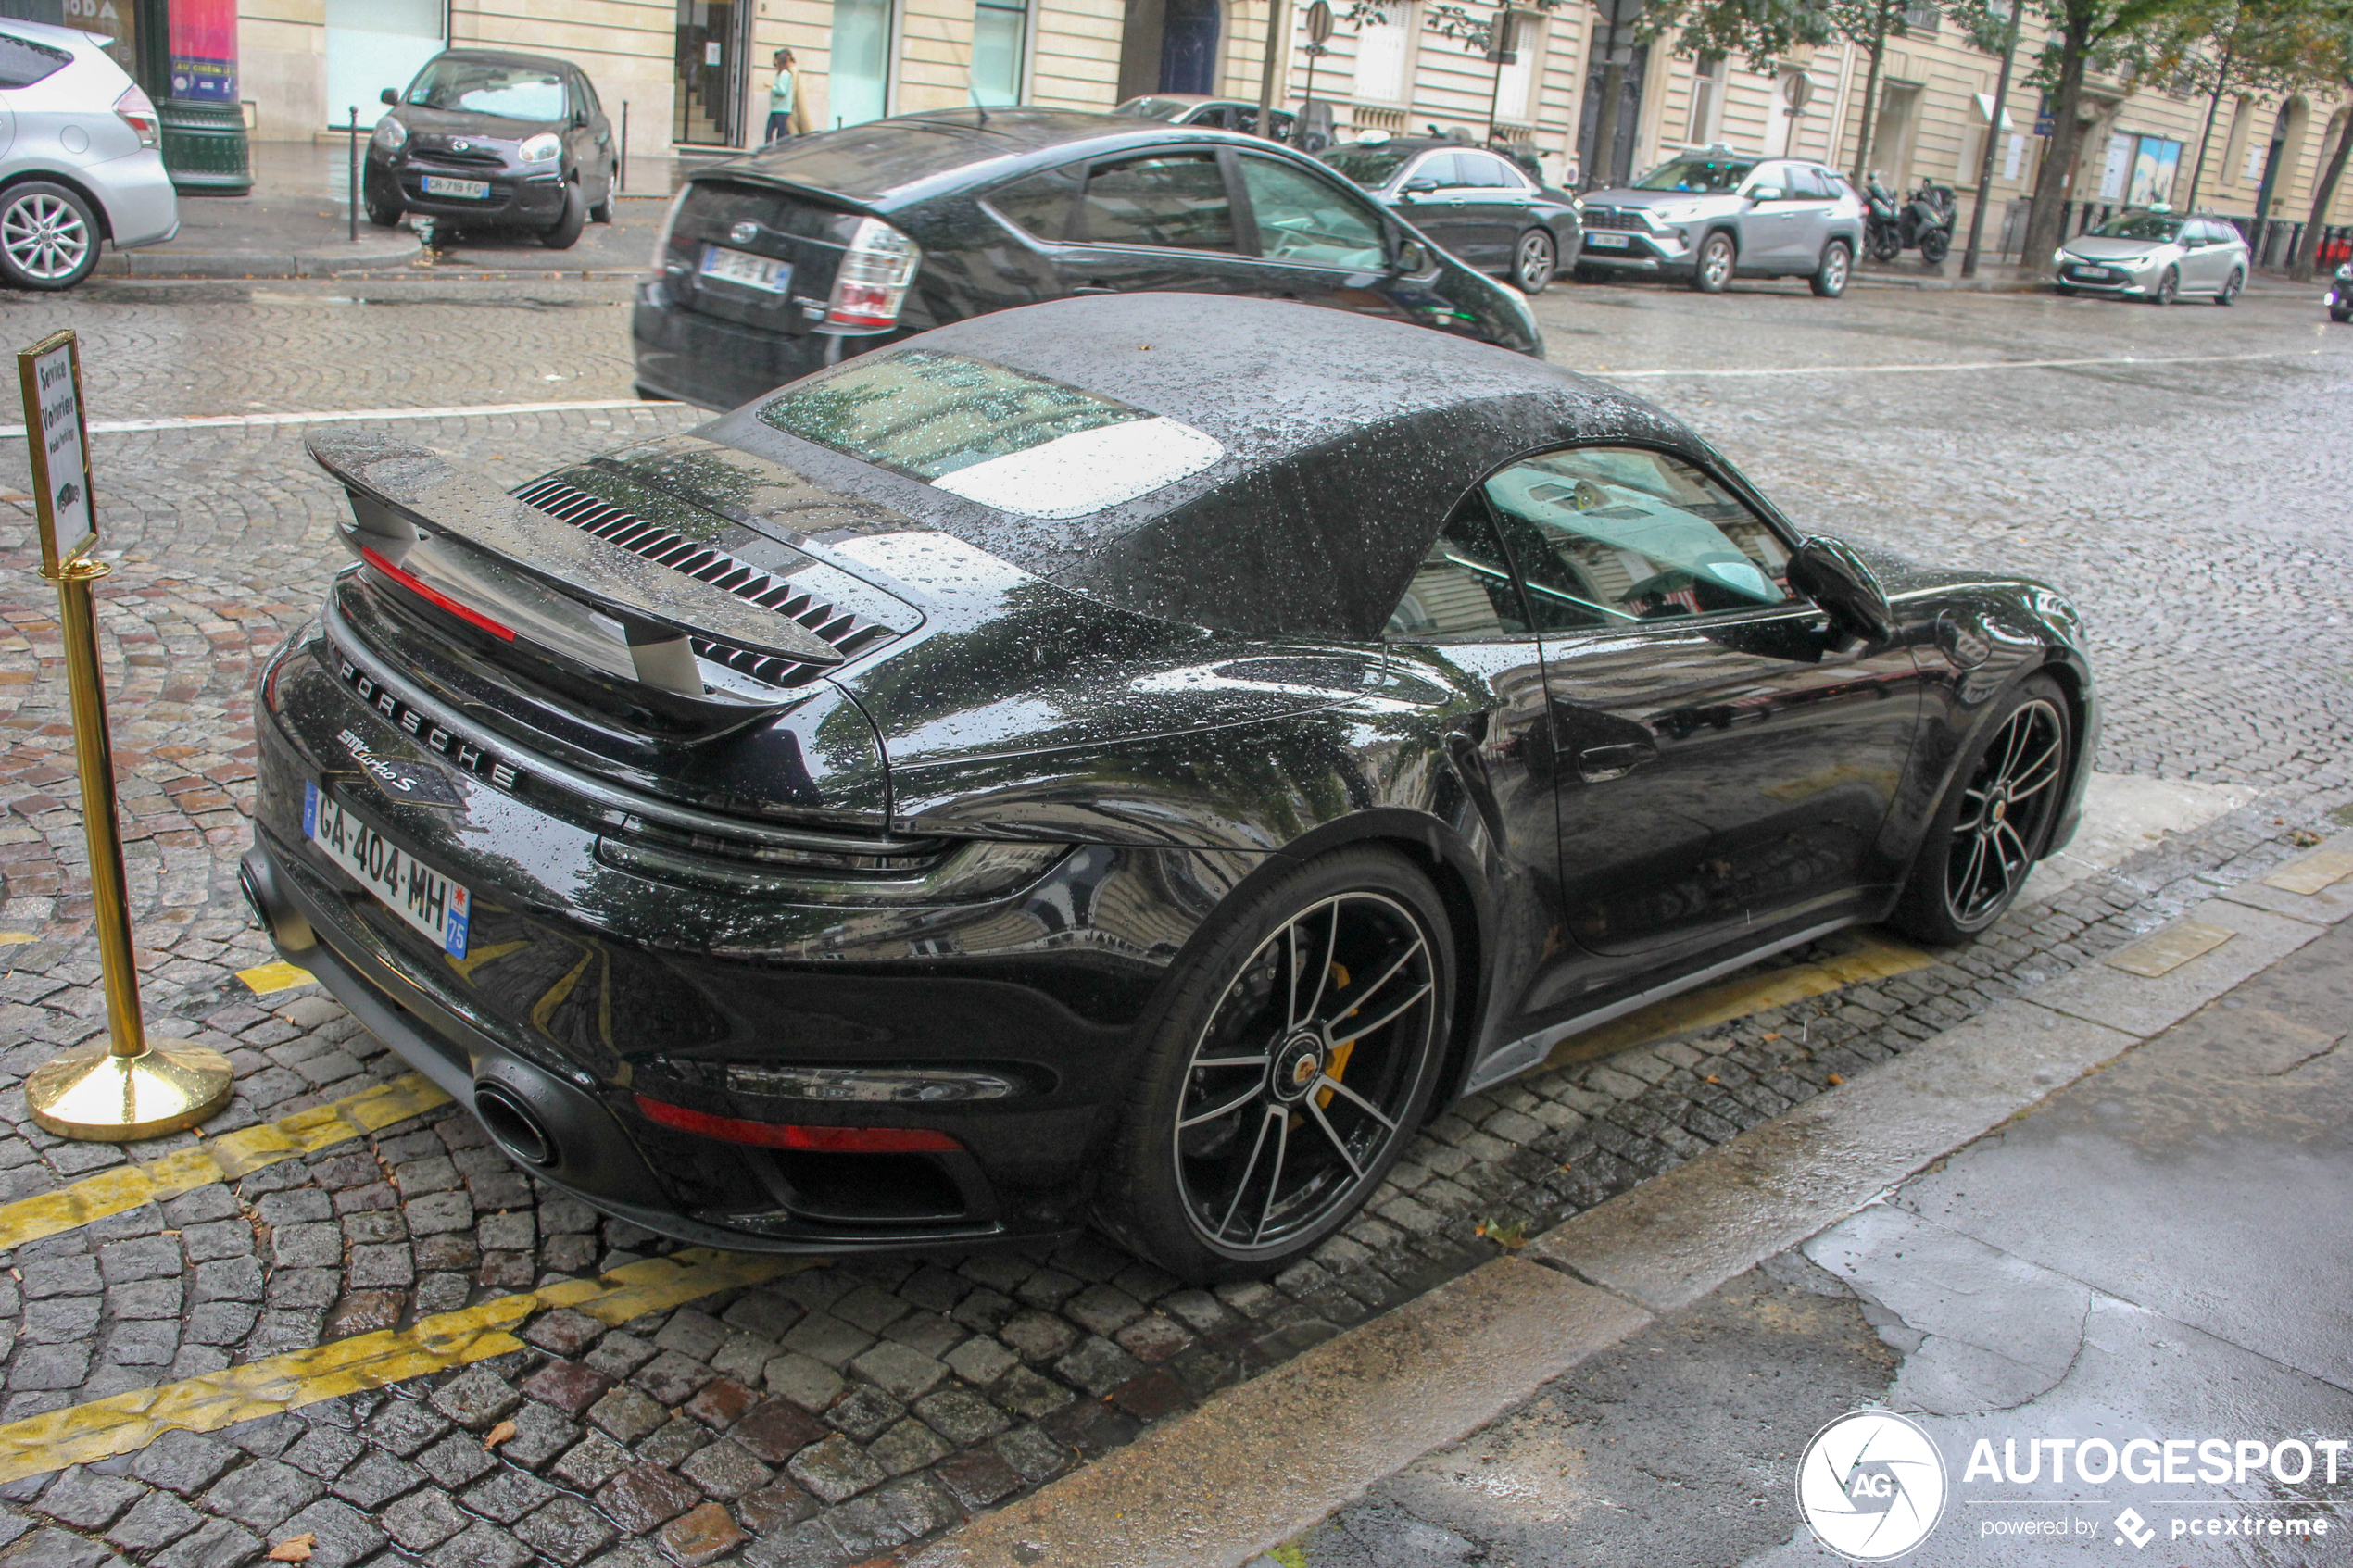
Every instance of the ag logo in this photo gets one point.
(1871, 1485)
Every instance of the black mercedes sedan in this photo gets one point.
(1127, 761)
(778, 264)
(1480, 205)
(495, 140)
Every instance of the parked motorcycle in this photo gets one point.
(1924, 221)
(2341, 296)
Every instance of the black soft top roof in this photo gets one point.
(1348, 439)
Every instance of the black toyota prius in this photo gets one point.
(1127, 761)
(824, 246)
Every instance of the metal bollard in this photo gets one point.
(352, 162)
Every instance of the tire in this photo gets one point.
(602, 211)
(2341, 317)
(566, 232)
(2168, 287)
(1712, 267)
(1534, 261)
(1837, 266)
(1199, 1148)
(48, 236)
(1886, 249)
(381, 206)
(1975, 856)
(1935, 246)
(2231, 286)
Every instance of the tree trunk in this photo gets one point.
(2066, 143)
(2308, 256)
(2213, 107)
(1871, 96)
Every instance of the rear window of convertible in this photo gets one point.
(1001, 437)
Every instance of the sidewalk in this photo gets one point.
(296, 223)
(2146, 1245)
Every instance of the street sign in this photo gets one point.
(58, 442)
(2044, 124)
(1319, 22)
(1620, 14)
(1799, 91)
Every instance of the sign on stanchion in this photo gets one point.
(131, 1087)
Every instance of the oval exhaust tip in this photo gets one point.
(515, 1126)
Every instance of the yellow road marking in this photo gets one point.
(216, 1160)
(127, 1422)
(2167, 950)
(262, 979)
(1872, 957)
(2314, 873)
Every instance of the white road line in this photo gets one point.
(1932, 365)
(330, 416)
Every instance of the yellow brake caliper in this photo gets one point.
(1336, 1066)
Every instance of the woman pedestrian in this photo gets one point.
(787, 114)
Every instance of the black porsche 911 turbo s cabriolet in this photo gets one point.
(1127, 760)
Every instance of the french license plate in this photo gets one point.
(1607, 242)
(2094, 273)
(414, 891)
(442, 185)
(742, 267)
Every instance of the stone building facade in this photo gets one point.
(695, 73)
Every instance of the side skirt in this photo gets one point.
(1509, 1062)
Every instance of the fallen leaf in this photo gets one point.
(1837, 1078)
(499, 1434)
(1713, 1079)
(294, 1548)
(1773, 1036)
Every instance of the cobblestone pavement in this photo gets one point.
(825, 1416)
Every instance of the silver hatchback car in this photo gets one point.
(2155, 255)
(1713, 215)
(80, 165)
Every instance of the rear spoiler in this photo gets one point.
(403, 495)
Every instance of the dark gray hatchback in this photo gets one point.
(772, 266)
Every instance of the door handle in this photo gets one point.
(1599, 764)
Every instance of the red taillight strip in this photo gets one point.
(786, 1135)
(433, 595)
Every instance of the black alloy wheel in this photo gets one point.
(1535, 261)
(1887, 247)
(1296, 1057)
(1935, 246)
(1712, 270)
(1831, 277)
(2167, 287)
(566, 232)
(2231, 286)
(1994, 822)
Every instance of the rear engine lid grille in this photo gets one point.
(851, 632)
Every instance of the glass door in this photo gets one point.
(858, 81)
(714, 37)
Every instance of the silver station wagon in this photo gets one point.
(2156, 256)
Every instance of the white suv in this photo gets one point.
(80, 165)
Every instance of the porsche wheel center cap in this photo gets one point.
(1297, 1065)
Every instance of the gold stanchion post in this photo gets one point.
(131, 1086)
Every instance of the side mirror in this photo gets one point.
(1418, 187)
(1768, 193)
(1834, 576)
(1412, 256)
(390, 95)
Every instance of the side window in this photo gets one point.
(1175, 202)
(1440, 168)
(1487, 173)
(1770, 182)
(23, 62)
(1041, 203)
(587, 92)
(1303, 219)
(1605, 536)
(1808, 182)
(1463, 590)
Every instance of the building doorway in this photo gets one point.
(1169, 46)
(372, 45)
(2287, 131)
(1616, 167)
(1899, 106)
(707, 102)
